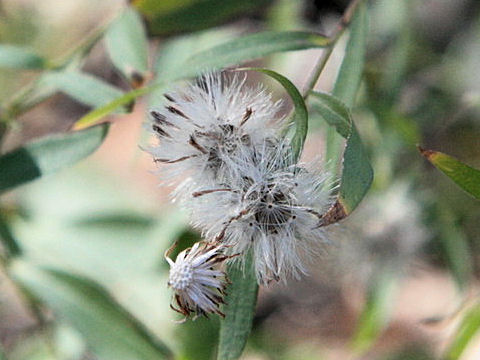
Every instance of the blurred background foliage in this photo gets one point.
(83, 275)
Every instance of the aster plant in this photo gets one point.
(235, 165)
(234, 160)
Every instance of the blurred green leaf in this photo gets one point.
(108, 330)
(85, 88)
(350, 74)
(454, 244)
(168, 16)
(351, 70)
(398, 57)
(18, 57)
(236, 51)
(375, 312)
(194, 346)
(7, 239)
(357, 174)
(469, 328)
(300, 118)
(240, 309)
(127, 45)
(253, 46)
(95, 115)
(48, 155)
(463, 175)
(173, 54)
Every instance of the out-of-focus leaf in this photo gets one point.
(193, 346)
(108, 330)
(18, 57)
(236, 51)
(172, 55)
(251, 47)
(127, 45)
(463, 175)
(469, 328)
(375, 313)
(357, 174)
(82, 87)
(168, 16)
(239, 311)
(454, 246)
(48, 155)
(7, 239)
(95, 115)
(300, 118)
(350, 74)
(399, 53)
(351, 70)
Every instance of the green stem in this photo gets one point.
(338, 32)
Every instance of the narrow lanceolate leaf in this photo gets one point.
(48, 155)
(300, 118)
(469, 329)
(230, 53)
(108, 330)
(84, 88)
(239, 311)
(18, 57)
(127, 46)
(251, 47)
(95, 115)
(191, 15)
(463, 175)
(351, 70)
(349, 76)
(357, 173)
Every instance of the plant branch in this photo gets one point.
(338, 32)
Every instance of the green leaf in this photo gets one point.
(175, 53)
(376, 311)
(12, 248)
(108, 330)
(82, 87)
(357, 174)
(454, 244)
(18, 57)
(48, 155)
(127, 45)
(300, 118)
(236, 51)
(172, 56)
(251, 47)
(463, 175)
(240, 309)
(351, 70)
(350, 75)
(95, 115)
(168, 16)
(469, 328)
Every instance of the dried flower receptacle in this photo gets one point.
(197, 279)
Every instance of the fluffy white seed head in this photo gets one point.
(274, 207)
(204, 127)
(197, 279)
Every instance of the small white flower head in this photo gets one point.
(197, 279)
(275, 207)
(203, 128)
